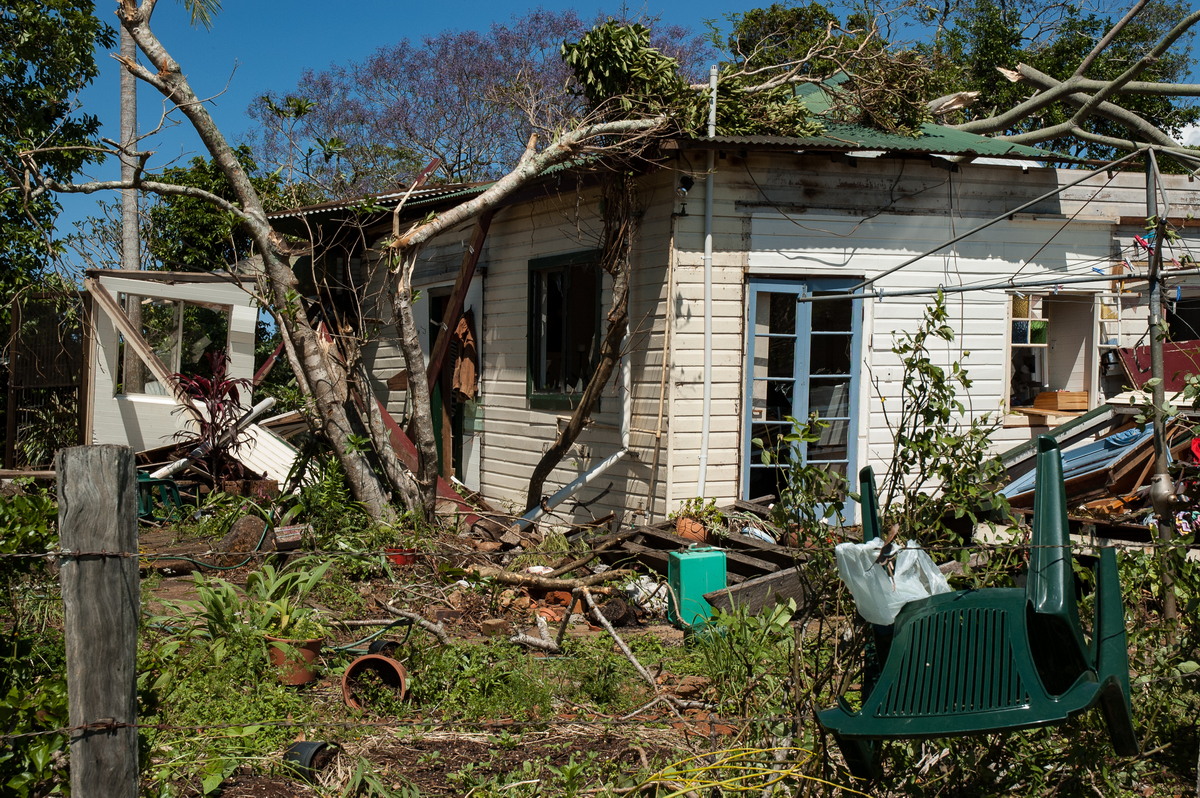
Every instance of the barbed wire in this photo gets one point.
(674, 719)
(1182, 543)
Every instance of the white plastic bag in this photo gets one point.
(879, 589)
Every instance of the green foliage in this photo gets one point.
(703, 510)
(885, 87)
(747, 657)
(623, 77)
(33, 690)
(190, 233)
(809, 495)
(941, 467)
(324, 501)
(46, 56)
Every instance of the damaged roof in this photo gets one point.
(847, 137)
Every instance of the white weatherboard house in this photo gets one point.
(791, 220)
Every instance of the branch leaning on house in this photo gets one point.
(586, 140)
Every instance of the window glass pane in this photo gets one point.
(1020, 332)
(1038, 332)
(1020, 307)
(1028, 375)
(781, 358)
(563, 334)
(783, 313)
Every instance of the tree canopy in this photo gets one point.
(187, 233)
(468, 98)
(46, 51)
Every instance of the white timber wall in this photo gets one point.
(784, 214)
(145, 421)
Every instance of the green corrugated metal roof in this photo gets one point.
(935, 140)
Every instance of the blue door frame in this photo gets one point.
(801, 357)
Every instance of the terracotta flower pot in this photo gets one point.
(373, 669)
(691, 529)
(294, 660)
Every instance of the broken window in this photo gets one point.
(564, 326)
(1051, 350)
(182, 334)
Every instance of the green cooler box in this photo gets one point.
(691, 574)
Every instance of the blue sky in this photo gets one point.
(259, 45)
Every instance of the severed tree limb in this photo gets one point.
(608, 627)
(435, 629)
(546, 583)
(675, 703)
(1070, 86)
(544, 642)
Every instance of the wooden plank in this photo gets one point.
(755, 594)
(454, 307)
(657, 559)
(97, 516)
(736, 561)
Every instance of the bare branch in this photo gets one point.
(1108, 38)
(586, 139)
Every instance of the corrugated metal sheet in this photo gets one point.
(935, 140)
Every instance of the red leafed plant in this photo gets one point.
(213, 436)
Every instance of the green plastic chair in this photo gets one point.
(997, 659)
(149, 489)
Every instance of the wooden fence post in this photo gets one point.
(97, 517)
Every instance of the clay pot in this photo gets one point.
(387, 670)
(295, 661)
(691, 529)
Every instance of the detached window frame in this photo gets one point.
(175, 343)
(563, 328)
(1052, 345)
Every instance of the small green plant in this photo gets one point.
(747, 656)
(275, 600)
(704, 511)
(809, 495)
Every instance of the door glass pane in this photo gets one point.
(829, 397)
(775, 314)
(781, 357)
(830, 354)
(832, 315)
(768, 437)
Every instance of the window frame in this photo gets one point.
(1053, 330)
(540, 399)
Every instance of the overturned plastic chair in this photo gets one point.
(996, 659)
(150, 489)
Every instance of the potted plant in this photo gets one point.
(698, 519)
(294, 633)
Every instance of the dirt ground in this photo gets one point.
(428, 761)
